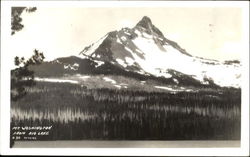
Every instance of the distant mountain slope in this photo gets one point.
(74, 65)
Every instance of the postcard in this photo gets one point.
(114, 76)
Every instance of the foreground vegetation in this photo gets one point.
(79, 113)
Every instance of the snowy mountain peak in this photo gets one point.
(144, 50)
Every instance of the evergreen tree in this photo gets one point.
(16, 17)
(22, 76)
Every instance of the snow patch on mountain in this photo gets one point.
(176, 81)
(167, 88)
(127, 33)
(55, 80)
(121, 85)
(109, 80)
(128, 49)
(75, 66)
(99, 63)
(174, 89)
(83, 77)
(118, 41)
(129, 60)
(121, 62)
(123, 38)
(118, 86)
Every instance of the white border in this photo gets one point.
(5, 85)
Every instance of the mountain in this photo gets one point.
(145, 50)
(143, 53)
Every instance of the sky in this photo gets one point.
(213, 33)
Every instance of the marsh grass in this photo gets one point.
(78, 113)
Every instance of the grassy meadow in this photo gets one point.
(77, 112)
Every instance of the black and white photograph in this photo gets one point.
(125, 76)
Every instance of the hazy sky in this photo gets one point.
(206, 32)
